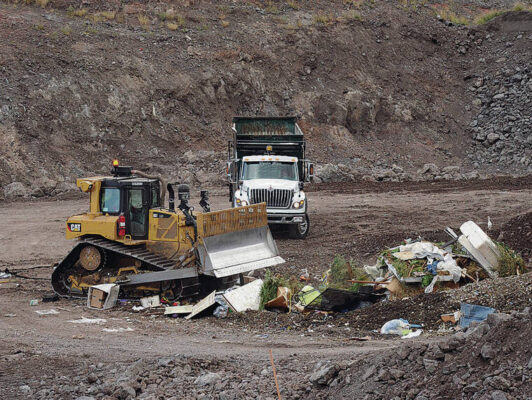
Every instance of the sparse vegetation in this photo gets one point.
(488, 16)
(108, 15)
(225, 23)
(293, 5)
(66, 30)
(323, 19)
(522, 7)
(269, 288)
(271, 8)
(450, 16)
(42, 3)
(80, 12)
(172, 26)
(354, 3)
(352, 15)
(341, 271)
(144, 20)
(171, 15)
(510, 263)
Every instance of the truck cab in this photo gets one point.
(267, 164)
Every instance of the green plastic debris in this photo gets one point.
(307, 295)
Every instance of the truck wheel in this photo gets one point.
(300, 231)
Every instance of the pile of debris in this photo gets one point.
(412, 268)
(470, 257)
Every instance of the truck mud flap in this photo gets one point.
(238, 252)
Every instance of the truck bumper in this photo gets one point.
(285, 218)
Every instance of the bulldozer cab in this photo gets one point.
(131, 198)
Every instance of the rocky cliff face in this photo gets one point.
(382, 90)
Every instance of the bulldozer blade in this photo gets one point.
(238, 252)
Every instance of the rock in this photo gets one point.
(429, 169)
(499, 382)
(495, 319)
(85, 398)
(368, 372)
(472, 388)
(25, 389)
(124, 391)
(487, 352)
(492, 138)
(498, 395)
(207, 379)
(499, 96)
(383, 375)
(434, 352)
(16, 189)
(92, 378)
(430, 365)
(529, 365)
(324, 374)
(397, 373)
(451, 169)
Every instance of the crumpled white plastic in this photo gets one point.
(430, 251)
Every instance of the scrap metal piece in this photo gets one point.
(202, 305)
(186, 309)
(245, 297)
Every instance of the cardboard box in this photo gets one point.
(97, 298)
(102, 297)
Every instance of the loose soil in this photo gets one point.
(53, 357)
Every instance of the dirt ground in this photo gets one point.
(355, 220)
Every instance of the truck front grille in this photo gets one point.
(276, 198)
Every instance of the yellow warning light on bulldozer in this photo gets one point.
(115, 163)
(269, 148)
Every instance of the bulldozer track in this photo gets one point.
(152, 262)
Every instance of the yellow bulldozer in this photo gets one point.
(129, 237)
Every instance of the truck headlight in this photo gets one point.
(298, 204)
(241, 202)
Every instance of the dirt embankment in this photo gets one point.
(382, 89)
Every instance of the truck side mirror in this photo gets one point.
(228, 170)
(310, 171)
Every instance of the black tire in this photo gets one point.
(301, 230)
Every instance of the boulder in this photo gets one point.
(16, 189)
(324, 374)
(207, 379)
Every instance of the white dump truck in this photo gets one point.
(266, 163)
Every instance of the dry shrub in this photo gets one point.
(144, 21)
(324, 19)
(293, 5)
(172, 26)
(108, 15)
(227, 54)
(66, 30)
(79, 12)
(352, 15)
(42, 3)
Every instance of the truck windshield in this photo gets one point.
(269, 170)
